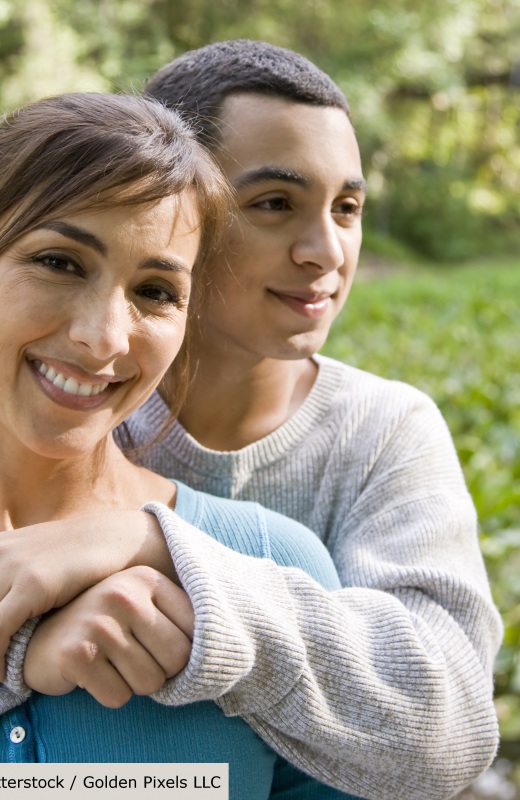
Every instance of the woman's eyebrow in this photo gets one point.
(166, 265)
(77, 234)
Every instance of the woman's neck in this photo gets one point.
(231, 405)
(38, 489)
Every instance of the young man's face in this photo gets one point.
(290, 256)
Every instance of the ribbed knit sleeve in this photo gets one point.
(384, 687)
(14, 690)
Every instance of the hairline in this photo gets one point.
(269, 95)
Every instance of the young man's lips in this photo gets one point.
(305, 303)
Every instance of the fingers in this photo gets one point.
(108, 687)
(175, 604)
(98, 655)
(126, 635)
(114, 667)
(159, 617)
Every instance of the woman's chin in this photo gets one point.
(69, 445)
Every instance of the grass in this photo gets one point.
(455, 333)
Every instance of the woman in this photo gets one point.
(107, 204)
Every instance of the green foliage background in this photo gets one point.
(435, 96)
(453, 333)
(434, 90)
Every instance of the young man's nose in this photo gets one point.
(102, 325)
(319, 244)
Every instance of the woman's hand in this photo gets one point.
(46, 565)
(124, 636)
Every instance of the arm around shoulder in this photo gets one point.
(382, 688)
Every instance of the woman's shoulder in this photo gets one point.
(253, 530)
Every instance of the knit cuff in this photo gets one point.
(14, 689)
(241, 640)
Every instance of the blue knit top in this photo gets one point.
(75, 728)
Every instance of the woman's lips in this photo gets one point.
(66, 390)
(307, 305)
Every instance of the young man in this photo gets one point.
(384, 687)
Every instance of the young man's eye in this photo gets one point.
(349, 208)
(347, 212)
(272, 204)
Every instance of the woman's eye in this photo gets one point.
(158, 294)
(58, 263)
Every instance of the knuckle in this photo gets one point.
(144, 573)
(116, 698)
(151, 682)
(82, 653)
(121, 598)
(127, 590)
(179, 657)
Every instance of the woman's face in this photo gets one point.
(93, 307)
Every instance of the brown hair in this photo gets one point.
(76, 151)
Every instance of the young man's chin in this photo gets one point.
(301, 346)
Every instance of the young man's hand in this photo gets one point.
(46, 565)
(124, 636)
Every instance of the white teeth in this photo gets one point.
(70, 385)
(59, 381)
(84, 390)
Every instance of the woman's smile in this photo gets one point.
(94, 312)
(66, 390)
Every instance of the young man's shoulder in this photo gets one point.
(351, 388)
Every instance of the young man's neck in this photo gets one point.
(231, 405)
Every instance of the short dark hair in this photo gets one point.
(198, 82)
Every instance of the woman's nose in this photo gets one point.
(102, 324)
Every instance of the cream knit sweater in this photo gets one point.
(382, 688)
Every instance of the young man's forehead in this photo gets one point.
(233, 102)
(271, 139)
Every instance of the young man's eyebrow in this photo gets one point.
(359, 185)
(272, 173)
(77, 234)
(268, 173)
